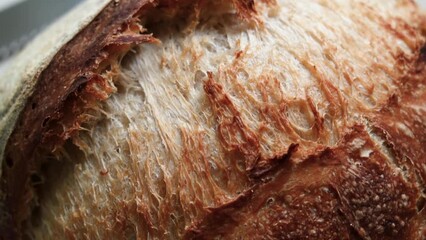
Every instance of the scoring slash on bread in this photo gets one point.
(186, 119)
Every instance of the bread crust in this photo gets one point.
(337, 193)
(347, 185)
(19, 78)
(78, 76)
(74, 82)
(348, 178)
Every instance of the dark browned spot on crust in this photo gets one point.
(422, 57)
(264, 170)
(9, 161)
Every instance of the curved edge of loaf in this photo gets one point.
(19, 79)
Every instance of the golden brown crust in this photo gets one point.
(347, 192)
(368, 186)
(365, 188)
(403, 120)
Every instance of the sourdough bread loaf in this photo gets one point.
(241, 119)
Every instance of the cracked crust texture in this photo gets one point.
(226, 120)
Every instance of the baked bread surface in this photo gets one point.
(234, 120)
